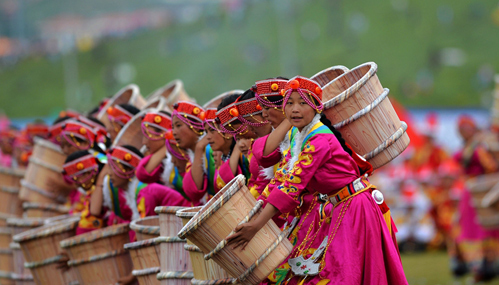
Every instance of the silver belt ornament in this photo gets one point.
(303, 267)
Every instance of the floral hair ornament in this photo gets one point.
(175, 150)
(119, 157)
(264, 89)
(74, 130)
(154, 121)
(118, 115)
(82, 166)
(307, 88)
(191, 114)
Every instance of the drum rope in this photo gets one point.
(364, 111)
(175, 275)
(42, 163)
(97, 257)
(391, 140)
(195, 281)
(42, 192)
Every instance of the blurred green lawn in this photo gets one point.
(221, 52)
(431, 268)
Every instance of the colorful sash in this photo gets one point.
(210, 170)
(318, 128)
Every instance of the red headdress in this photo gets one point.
(154, 121)
(37, 130)
(466, 120)
(191, 114)
(240, 110)
(265, 89)
(79, 167)
(119, 157)
(305, 87)
(118, 115)
(73, 130)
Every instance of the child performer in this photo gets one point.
(158, 168)
(121, 188)
(358, 248)
(232, 162)
(83, 169)
(188, 126)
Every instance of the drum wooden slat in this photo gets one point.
(352, 92)
(18, 225)
(203, 269)
(213, 103)
(6, 260)
(23, 279)
(327, 75)
(43, 170)
(173, 256)
(9, 201)
(97, 242)
(39, 210)
(147, 276)
(220, 216)
(6, 278)
(104, 269)
(44, 242)
(11, 177)
(145, 256)
(169, 223)
(146, 228)
(4, 217)
(5, 237)
(18, 260)
(46, 272)
(172, 92)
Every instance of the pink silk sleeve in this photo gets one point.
(265, 161)
(284, 196)
(190, 188)
(146, 177)
(224, 175)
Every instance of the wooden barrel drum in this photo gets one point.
(358, 106)
(209, 228)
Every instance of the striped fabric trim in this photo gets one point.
(357, 185)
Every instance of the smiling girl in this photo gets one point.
(354, 245)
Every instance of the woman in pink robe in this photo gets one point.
(359, 245)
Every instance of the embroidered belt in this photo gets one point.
(357, 185)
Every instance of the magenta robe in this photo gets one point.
(362, 251)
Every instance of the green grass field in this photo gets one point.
(432, 268)
(220, 52)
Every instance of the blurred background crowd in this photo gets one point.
(438, 58)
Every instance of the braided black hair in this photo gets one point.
(336, 133)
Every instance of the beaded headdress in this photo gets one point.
(154, 121)
(74, 129)
(79, 167)
(118, 115)
(191, 114)
(240, 110)
(119, 157)
(269, 88)
(305, 87)
(175, 150)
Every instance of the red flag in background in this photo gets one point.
(417, 140)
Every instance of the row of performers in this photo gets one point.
(292, 157)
